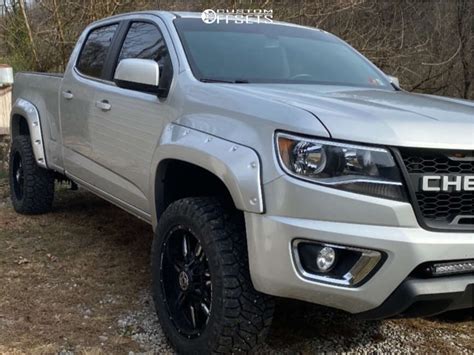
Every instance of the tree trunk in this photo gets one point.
(30, 33)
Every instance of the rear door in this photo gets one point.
(126, 124)
(77, 97)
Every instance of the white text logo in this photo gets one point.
(238, 16)
(445, 183)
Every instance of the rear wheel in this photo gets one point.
(31, 187)
(201, 283)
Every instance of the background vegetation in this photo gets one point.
(428, 44)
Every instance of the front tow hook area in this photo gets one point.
(426, 297)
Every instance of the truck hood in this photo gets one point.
(395, 118)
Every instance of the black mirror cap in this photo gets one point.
(149, 89)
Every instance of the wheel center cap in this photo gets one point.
(183, 279)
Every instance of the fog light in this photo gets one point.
(326, 258)
(336, 264)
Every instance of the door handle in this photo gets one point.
(68, 95)
(104, 105)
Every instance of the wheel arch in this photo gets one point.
(170, 184)
(231, 166)
(25, 120)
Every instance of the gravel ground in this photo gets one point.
(305, 328)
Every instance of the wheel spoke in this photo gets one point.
(205, 309)
(181, 299)
(177, 266)
(18, 177)
(185, 246)
(193, 316)
(198, 250)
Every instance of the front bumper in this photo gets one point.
(422, 298)
(331, 216)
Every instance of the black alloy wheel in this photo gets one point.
(186, 281)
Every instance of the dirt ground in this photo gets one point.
(77, 281)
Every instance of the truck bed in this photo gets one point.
(42, 90)
(56, 75)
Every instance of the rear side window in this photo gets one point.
(94, 52)
(145, 41)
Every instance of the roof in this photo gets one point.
(194, 15)
(187, 14)
(190, 15)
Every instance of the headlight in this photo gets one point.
(366, 170)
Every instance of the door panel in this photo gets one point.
(126, 125)
(76, 97)
(124, 140)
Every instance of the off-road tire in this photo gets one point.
(38, 183)
(240, 316)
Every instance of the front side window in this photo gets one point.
(272, 53)
(145, 41)
(94, 52)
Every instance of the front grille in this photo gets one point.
(443, 205)
(429, 162)
(440, 209)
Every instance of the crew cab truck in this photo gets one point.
(271, 160)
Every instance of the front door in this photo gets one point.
(126, 125)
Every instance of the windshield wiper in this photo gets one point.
(209, 80)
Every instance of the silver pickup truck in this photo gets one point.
(271, 160)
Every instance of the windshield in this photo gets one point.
(272, 53)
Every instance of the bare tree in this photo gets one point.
(21, 3)
(428, 44)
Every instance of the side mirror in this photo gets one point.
(394, 81)
(139, 75)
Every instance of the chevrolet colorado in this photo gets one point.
(271, 160)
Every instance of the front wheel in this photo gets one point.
(202, 290)
(31, 187)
